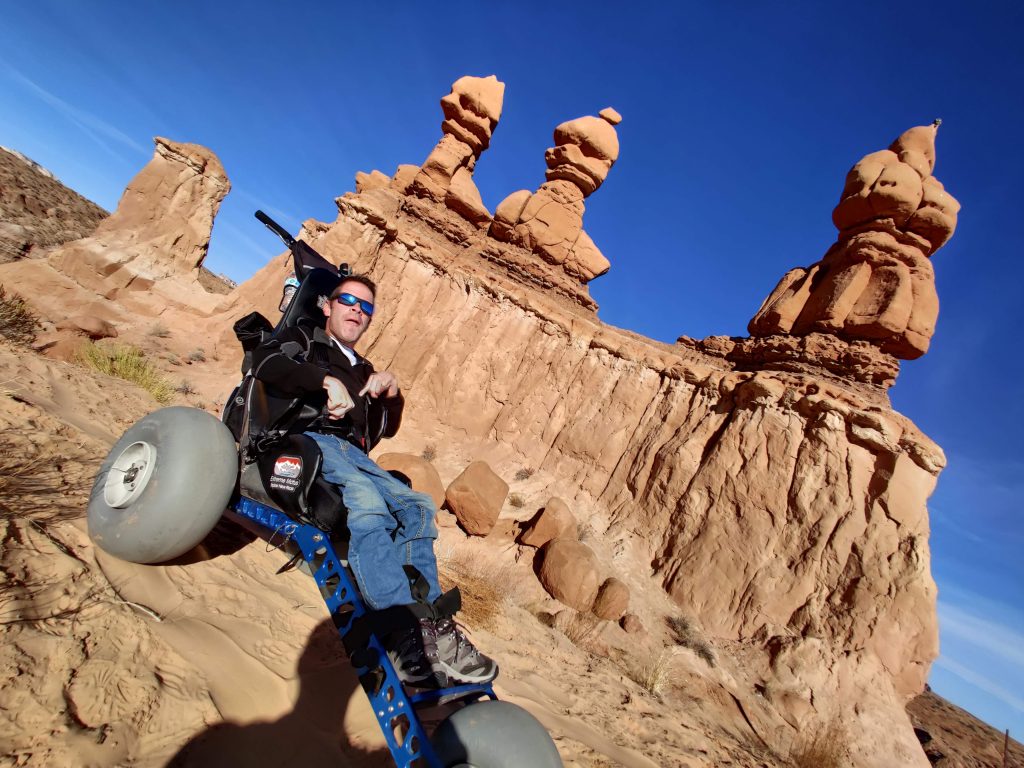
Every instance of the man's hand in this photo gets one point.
(380, 383)
(339, 401)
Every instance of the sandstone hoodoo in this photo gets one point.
(471, 112)
(549, 221)
(159, 234)
(876, 283)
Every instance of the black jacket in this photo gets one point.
(296, 365)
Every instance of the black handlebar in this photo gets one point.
(276, 228)
(304, 256)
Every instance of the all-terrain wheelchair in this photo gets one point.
(173, 475)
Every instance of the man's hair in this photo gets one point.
(363, 279)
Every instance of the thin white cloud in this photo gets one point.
(275, 213)
(981, 682)
(998, 639)
(94, 126)
(942, 518)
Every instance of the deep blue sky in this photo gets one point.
(739, 127)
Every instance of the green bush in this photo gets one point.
(130, 364)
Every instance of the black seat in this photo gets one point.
(280, 465)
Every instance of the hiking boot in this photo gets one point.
(405, 649)
(454, 659)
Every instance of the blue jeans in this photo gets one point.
(390, 524)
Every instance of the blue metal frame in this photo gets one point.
(390, 702)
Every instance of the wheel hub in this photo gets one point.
(129, 475)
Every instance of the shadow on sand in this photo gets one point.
(311, 734)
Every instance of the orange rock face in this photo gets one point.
(876, 283)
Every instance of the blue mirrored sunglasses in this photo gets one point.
(350, 301)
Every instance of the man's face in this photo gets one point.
(347, 324)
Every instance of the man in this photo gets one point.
(391, 526)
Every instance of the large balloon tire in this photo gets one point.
(163, 486)
(494, 734)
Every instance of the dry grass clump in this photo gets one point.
(685, 633)
(33, 483)
(130, 364)
(429, 452)
(580, 628)
(655, 676)
(18, 323)
(159, 330)
(487, 587)
(524, 474)
(197, 356)
(825, 749)
(516, 500)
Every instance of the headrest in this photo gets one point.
(306, 307)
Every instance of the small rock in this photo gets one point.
(569, 573)
(555, 520)
(612, 600)
(632, 625)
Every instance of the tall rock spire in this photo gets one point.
(876, 283)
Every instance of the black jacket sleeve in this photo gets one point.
(272, 363)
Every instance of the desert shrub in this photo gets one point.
(18, 323)
(656, 675)
(33, 483)
(159, 330)
(185, 388)
(429, 452)
(130, 364)
(487, 588)
(516, 500)
(581, 628)
(524, 474)
(197, 356)
(824, 749)
(685, 633)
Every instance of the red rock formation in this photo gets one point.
(471, 112)
(550, 221)
(612, 600)
(876, 283)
